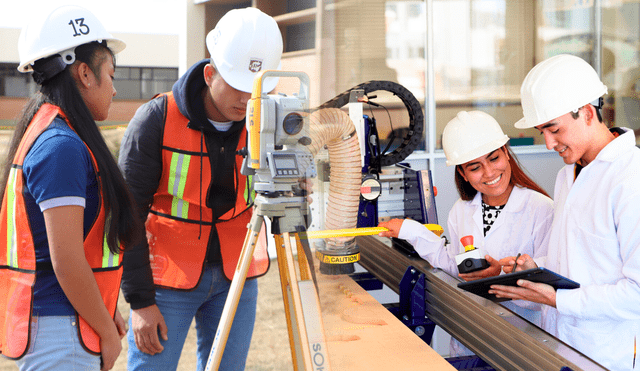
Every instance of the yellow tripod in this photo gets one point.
(301, 302)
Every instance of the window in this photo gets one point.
(302, 36)
(296, 5)
(620, 63)
(13, 83)
(481, 52)
(130, 82)
(143, 83)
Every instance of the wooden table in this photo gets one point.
(362, 334)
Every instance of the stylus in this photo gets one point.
(515, 264)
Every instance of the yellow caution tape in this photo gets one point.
(352, 232)
(337, 259)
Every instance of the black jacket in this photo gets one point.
(140, 161)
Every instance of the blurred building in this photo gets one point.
(451, 54)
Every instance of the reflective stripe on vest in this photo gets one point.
(179, 224)
(18, 264)
(12, 245)
(109, 259)
(177, 181)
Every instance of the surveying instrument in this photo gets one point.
(277, 159)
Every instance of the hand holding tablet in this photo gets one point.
(481, 287)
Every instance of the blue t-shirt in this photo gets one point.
(58, 172)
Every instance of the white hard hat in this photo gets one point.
(244, 42)
(557, 86)
(59, 32)
(470, 135)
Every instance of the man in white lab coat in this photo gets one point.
(595, 236)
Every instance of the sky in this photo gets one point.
(129, 16)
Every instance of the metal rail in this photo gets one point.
(497, 335)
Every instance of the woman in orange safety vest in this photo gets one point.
(66, 212)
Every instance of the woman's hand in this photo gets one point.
(393, 227)
(306, 186)
(110, 348)
(121, 326)
(524, 262)
(493, 270)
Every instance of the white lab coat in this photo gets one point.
(520, 228)
(595, 240)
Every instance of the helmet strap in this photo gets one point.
(46, 68)
(599, 108)
(598, 103)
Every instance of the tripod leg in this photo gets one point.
(303, 310)
(235, 291)
(294, 339)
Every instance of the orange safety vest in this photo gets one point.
(18, 259)
(178, 226)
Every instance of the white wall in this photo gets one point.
(9, 45)
(147, 50)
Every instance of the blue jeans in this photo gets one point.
(205, 303)
(54, 345)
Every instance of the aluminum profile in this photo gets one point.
(497, 335)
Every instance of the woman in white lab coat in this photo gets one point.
(500, 206)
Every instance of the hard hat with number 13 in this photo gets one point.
(58, 33)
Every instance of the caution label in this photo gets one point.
(342, 259)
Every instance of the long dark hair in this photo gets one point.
(122, 225)
(518, 178)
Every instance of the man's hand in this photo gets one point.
(393, 227)
(526, 290)
(145, 323)
(524, 262)
(493, 270)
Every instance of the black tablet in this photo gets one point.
(481, 287)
